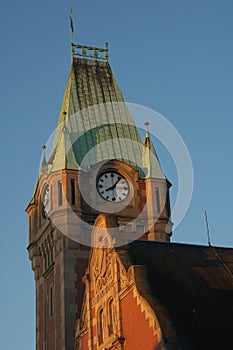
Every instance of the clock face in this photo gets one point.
(46, 201)
(112, 186)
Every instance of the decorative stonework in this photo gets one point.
(101, 282)
(111, 277)
(124, 281)
(102, 274)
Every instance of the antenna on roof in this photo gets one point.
(207, 228)
(71, 32)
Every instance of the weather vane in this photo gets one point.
(71, 32)
(95, 53)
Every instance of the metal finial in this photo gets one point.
(44, 155)
(147, 129)
(71, 32)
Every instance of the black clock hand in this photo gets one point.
(112, 187)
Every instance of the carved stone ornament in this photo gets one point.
(124, 282)
(102, 269)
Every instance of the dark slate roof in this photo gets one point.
(195, 285)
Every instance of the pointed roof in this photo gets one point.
(43, 166)
(95, 123)
(99, 124)
(64, 156)
(96, 117)
(150, 159)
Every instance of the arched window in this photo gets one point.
(110, 317)
(101, 326)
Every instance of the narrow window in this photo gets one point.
(59, 193)
(51, 198)
(168, 204)
(72, 191)
(51, 301)
(157, 199)
(111, 317)
(101, 326)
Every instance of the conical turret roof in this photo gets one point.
(150, 159)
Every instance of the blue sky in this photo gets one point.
(175, 57)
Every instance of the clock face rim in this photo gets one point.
(109, 171)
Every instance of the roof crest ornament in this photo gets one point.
(96, 53)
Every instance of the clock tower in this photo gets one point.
(97, 163)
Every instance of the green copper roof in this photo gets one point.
(64, 156)
(98, 123)
(95, 125)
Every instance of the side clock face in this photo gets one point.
(112, 186)
(46, 201)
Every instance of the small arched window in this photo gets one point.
(110, 317)
(101, 326)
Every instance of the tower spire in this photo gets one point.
(43, 167)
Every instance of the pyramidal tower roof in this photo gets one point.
(97, 122)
